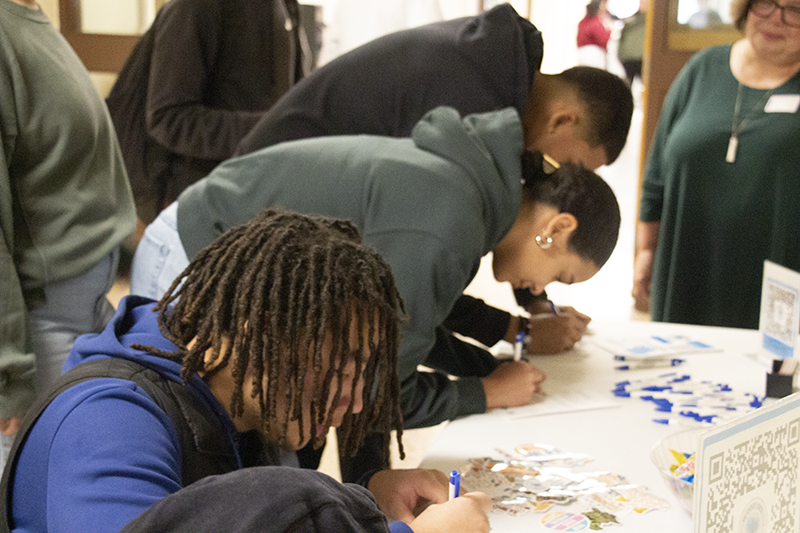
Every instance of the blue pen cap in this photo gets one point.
(455, 482)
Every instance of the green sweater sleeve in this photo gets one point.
(16, 362)
(652, 196)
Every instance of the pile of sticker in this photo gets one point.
(539, 478)
(684, 466)
(685, 402)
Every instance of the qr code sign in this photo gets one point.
(753, 485)
(779, 308)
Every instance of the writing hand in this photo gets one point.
(512, 384)
(465, 514)
(550, 334)
(400, 493)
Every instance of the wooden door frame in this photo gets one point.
(99, 53)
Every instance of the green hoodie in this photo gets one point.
(432, 205)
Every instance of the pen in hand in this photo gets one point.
(455, 484)
(553, 307)
(518, 345)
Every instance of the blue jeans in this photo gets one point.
(73, 307)
(160, 257)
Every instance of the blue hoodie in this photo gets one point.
(103, 452)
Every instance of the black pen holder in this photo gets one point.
(779, 385)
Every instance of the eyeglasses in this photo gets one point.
(790, 15)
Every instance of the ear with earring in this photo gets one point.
(544, 242)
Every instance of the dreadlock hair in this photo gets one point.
(576, 190)
(273, 289)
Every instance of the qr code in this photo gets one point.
(755, 484)
(780, 305)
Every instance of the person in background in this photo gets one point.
(720, 191)
(197, 81)
(474, 64)
(65, 206)
(286, 325)
(704, 17)
(594, 31)
(631, 43)
(556, 227)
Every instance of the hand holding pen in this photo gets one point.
(554, 329)
(455, 484)
(512, 384)
(419, 497)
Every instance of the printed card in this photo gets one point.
(746, 479)
(779, 322)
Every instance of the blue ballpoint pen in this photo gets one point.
(455, 484)
(519, 343)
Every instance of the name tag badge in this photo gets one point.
(782, 103)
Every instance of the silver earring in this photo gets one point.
(544, 242)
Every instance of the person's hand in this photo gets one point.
(465, 514)
(401, 494)
(512, 384)
(551, 334)
(9, 426)
(642, 276)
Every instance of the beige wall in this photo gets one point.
(50, 7)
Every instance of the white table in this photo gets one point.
(619, 438)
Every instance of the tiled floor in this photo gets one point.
(606, 296)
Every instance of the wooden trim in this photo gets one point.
(99, 53)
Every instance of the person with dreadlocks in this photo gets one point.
(432, 205)
(286, 325)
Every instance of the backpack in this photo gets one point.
(205, 450)
(146, 161)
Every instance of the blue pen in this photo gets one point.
(518, 345)
(553, 307)
(455, 484)
(640, 365)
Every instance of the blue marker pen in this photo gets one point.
(638, 365)
(553, 307)
(518, 344)
(455, 484)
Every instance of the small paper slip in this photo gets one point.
(560, 402)
(651, 347)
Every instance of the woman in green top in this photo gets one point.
(721, 190)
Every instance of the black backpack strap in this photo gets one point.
(205, 449)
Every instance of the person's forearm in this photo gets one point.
(647, 236)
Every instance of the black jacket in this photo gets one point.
(197, 81)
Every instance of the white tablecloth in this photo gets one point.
(619, 438)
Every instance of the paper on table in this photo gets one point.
(652, 346)
(560, 402)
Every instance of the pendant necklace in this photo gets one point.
(737, 126)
